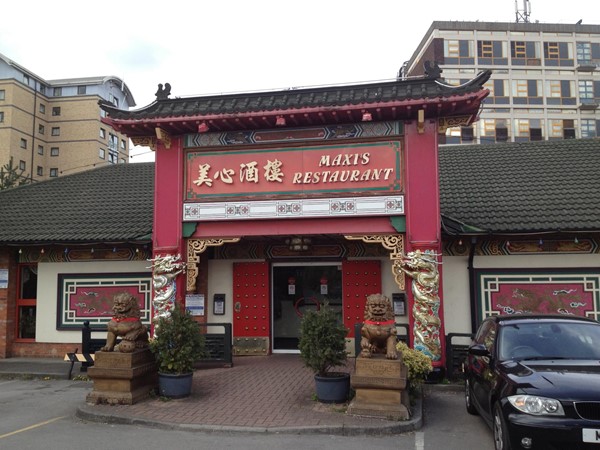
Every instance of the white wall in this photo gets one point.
(47, 293)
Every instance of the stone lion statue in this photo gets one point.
(378, 333)
(125, 324)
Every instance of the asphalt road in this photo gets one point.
(40, 414)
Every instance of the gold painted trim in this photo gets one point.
(195, 247)
(145, 141)
(163, 136)
(395, 244)
(450, 122)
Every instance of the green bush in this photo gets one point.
(178, 343)
(418, 364)
(322, 340)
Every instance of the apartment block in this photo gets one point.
(51, 128)
(545, 82)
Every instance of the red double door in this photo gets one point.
(269, 299)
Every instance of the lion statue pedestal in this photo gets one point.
(124, 373)
(380, 375)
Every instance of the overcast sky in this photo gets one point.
(205, 47)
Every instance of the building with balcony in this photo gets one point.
(54, 127)
(545, 82)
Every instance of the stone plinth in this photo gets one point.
(380, 386)
(122, 378)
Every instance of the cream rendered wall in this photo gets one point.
(455, 279)
(47, 292)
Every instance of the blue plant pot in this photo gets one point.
(174, 385)
(333, 388)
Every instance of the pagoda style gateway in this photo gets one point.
(277, 202)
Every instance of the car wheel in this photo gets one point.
(469, 398)
(501, 441)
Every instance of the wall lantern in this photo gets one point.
(203, 128)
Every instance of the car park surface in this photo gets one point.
(535, 379)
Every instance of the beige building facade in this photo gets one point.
(51, 128)
(545, 82)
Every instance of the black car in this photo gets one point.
(535, 379)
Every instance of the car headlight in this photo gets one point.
(537, 406)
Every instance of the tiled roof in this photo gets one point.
(522, 187)
(112, 203)
(499, 188)
(297, 99)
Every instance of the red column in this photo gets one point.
(168, 205)
(422, 202)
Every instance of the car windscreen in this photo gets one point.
(546, 339)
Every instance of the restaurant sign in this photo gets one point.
(370, 167)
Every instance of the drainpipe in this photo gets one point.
(472, 287)
(33, 131)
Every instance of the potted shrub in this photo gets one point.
(323, 348)
(177, 346)
(419, 366)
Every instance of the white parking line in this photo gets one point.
(419, 440)
(31, 427)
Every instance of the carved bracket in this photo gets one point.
(163, 136)
(450, 122)
(395, 244)
(195, 247)
(145, 141)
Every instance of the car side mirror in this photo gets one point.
(479, 350)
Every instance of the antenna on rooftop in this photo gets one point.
(523, 14)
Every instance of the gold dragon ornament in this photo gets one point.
(422, 267)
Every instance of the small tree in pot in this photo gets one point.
(322, 348)
(177, 346)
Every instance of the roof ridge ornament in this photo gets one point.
(432, 70)
(163, 94)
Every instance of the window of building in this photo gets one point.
(123, 144)
(57, 92)
(40, 171)
(40, 149)
(43, 89)
(499, 92)
(528, 130)
(2, 94)
(114, 100)
(458, 52)
(22, 165)
(26, 79)
(102, 133)
(54, 172)
(56, 111)
(1, 116)
(560, 92)
(54, 151)
(41, 129)
(55, 131)
(42, 108)
(26, 302)
(113, 156)
(101, 153)
(81, 90)
(525, 53)
(23, 143)
(527, 92)
(588, 128)
(493, 130)
(588, 53)
(113, 142)
(558, 54)
(561, 128)
(492, 52)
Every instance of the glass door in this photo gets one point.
(297, 288)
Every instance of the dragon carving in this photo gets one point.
(422, 267)
(165, 270)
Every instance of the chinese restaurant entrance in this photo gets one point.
(297, 288)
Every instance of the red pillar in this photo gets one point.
(423, 219)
